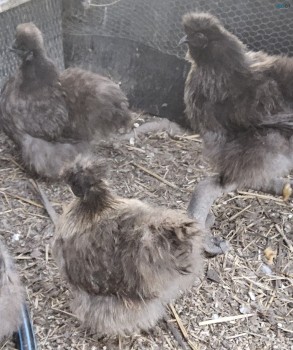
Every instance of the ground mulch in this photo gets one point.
(255, 278)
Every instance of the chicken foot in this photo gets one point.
(158, 125)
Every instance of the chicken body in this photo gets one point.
(52, 117)
(124, 260)
(95, 103)
(11, 295)
(241, 102)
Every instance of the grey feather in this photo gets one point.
(47, 113)
(124, 260)
(241, 102)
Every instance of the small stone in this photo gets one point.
(16, 237)
(252, 296)
(131, 141)
(213, 276)
(244, 309)
(266, 269)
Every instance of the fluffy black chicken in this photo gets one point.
(241, 102)
(124, 259)
(11, 295)
(52, 117)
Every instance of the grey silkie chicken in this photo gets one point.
(124, 259)
(53, 117)
(241, 103)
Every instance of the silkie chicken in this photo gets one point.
(52, 116)
(124, 260)
(241, 103)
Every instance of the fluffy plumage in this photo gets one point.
(241, 102)
(124, 260)
(100, 105)
(52, 117)
(11, 295)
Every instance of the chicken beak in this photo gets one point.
(23, 54)
(12, 49)
(15, 50)
(183, 40)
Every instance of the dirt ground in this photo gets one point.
(247, 280)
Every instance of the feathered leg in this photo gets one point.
(202, 199)
(208, 190)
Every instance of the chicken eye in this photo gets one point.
(200, 35)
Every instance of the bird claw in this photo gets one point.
(214, 246)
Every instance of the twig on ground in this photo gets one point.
(262, 196)
(46, 203)
(14, 162)
(232, 218)
(63, 312)
(284, 238)
(158, 177)
(22, 199)
(194, 137)
(174, 331)
(269, 303)
(182, 328)
(224, 319)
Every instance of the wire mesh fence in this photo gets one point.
(266, 25)
(135, 42)
(46, 14)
